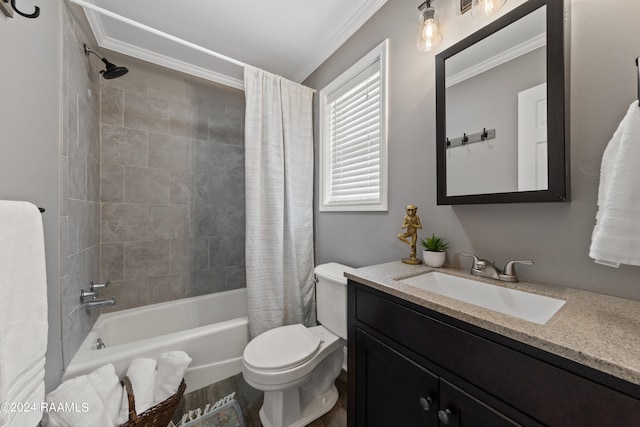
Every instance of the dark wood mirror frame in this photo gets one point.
(557, 108)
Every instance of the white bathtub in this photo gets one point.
(212, 329)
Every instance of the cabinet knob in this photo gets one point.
(445, 416)
(425, 403)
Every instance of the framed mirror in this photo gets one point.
(502, 110)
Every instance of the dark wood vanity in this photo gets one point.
(412, 366)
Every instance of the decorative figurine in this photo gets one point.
(412, 224)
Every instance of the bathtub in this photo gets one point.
(212, 329)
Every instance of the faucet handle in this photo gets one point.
(510, 268)
(87, 296)
(98, 286)
(476, 260)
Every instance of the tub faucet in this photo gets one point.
(93, 305)
(484, 268)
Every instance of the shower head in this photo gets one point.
(112, 71)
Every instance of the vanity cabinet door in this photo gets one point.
(459, 409)
(392, 390)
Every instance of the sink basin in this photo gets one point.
(523, 305)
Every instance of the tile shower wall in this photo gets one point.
(172, 193)
(79, 185)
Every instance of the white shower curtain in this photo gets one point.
(279, 201)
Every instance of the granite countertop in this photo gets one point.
(599, 331)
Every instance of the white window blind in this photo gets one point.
(354, 139)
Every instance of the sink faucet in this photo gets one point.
(484, 268)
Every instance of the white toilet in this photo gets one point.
(296, 366)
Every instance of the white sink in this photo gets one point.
(523, 305)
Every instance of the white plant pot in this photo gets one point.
(433, 259)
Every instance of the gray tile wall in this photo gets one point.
(79, 185)
(171, 193)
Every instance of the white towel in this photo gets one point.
(107, 384)
(75, 403)
(23, 308)
(142, 374)
(31, 390)
(616, 235)
(171, 369)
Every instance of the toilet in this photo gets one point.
(296, 366)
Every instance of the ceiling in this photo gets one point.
(290, 38)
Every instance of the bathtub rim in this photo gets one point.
(87, 355)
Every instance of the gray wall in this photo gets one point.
(556, 236)
(29, 140)
(172, 186)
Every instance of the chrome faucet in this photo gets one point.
(484, 268)
(89, 299)
(94, 305)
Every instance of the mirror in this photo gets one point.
(500, 111)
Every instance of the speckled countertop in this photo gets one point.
(599, 331)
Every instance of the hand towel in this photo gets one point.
(23, 308)
(616, 235)
(142, 374)
(171, 369)
(75, 403)
(107, 384)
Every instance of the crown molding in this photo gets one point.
(95, 22)
(168, 62)
(362, 15)
(366, 11)
(499, 59)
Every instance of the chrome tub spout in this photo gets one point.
(94, 305)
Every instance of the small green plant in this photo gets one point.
(434, 244)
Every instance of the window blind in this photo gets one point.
(354, 126)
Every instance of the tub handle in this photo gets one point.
(98, 286)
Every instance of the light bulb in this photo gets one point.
(429, 36)
(482, 8)
(430, 29)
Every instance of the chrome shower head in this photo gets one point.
(112, 71)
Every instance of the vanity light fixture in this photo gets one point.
(429, 35)
(482, 8)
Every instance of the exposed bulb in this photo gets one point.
(482, 8)
(429, 36)
(430, 30)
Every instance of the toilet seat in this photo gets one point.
(282, 348)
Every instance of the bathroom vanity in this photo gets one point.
(417, 358)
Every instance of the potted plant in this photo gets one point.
(434, 250)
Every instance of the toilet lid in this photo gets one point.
(282, 348)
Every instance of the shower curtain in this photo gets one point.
(279, 201)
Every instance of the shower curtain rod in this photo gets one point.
(157, 32)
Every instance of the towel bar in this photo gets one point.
(638, 67)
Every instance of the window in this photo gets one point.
(353, 137)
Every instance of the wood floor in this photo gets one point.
(250, 401)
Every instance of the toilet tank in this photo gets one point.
(331, 297)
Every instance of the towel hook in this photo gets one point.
(33, 15)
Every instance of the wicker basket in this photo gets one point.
(158, 415)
